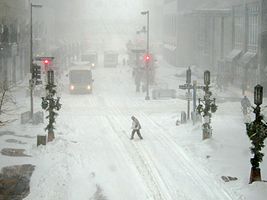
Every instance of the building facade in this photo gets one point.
(246, 62)
(14, 40)
(226, 37)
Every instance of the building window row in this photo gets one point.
(253, 26)
(170, 25)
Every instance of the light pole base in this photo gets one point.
(51, 136)
(206, 134)
(147, 98)
(255, 175)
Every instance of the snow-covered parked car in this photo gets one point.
(162, 91)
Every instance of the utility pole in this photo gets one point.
(147, 55)
(32, 82)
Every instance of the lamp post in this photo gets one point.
(206, 105)
(147, 54)
(31, 56)
(51, 104)
(257, 133)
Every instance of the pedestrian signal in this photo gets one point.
(36, 72)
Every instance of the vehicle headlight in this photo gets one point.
(93, 64)
(88, 87)
(72, 87)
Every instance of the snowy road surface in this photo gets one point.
(92, 157)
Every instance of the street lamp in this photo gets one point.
(207, 77)
(257, 133)
(51, 104)
(258, 95)
(206, 107)
(147, 53)
(31, 60)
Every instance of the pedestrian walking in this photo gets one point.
(245, 103)
(136, 127)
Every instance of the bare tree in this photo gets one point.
(6, 98)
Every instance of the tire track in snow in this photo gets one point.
(150, 176)
(212, 190)
(170, 191)
(156, 184)
(159, 187)
(199, 175)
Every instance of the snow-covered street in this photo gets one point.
(133, 100)
(93, 157)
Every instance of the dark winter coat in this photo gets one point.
(135, 124)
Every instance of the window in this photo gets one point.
(203, 35)
(253, 26)
(238, 27)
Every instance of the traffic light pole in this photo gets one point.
(147, 54)
(147, 63)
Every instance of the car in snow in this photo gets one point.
(162, 91)
(80, 81)
(111, 59)
(91, 57)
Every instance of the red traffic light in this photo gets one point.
(147, 58)
(46, 61)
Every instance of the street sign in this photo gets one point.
(188, 95)
(185, 87)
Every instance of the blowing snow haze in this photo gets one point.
(98, 20)
(133, 99)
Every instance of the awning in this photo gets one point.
(169, 47)
(247, 58)
(234, 54)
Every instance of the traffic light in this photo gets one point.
(36, 72)
(46, 61)
(147, 58)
